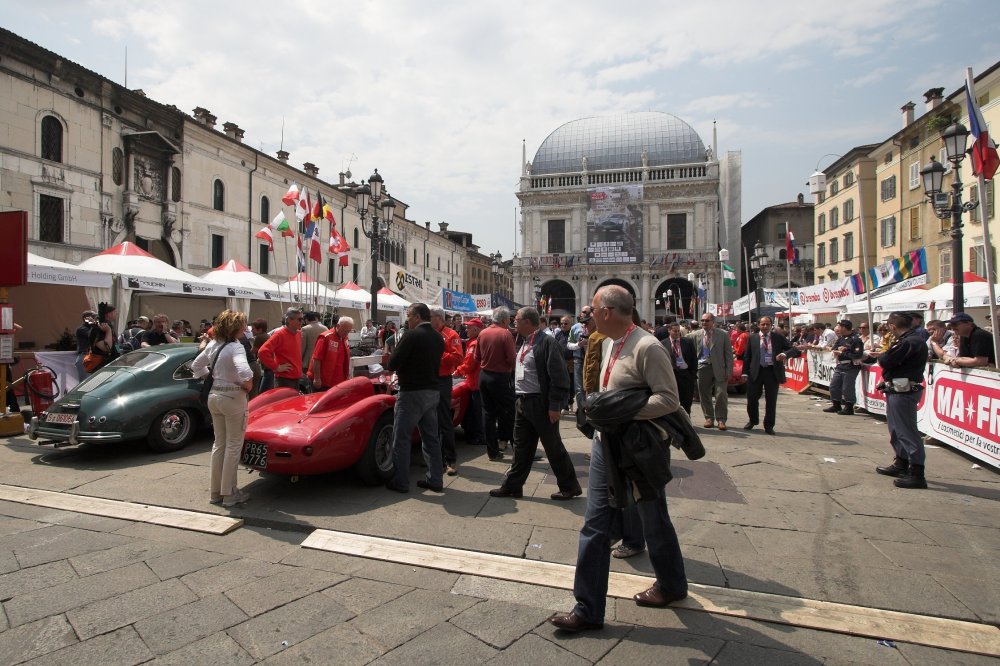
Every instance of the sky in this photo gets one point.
(439, 95)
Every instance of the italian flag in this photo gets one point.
(280, 223)
(728, 276)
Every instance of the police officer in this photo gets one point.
(848, 349)
(902, 373)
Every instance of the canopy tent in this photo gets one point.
(304, 289)
(43, 270)
(242, 284)
(390, 300)
(134, 269)
(907, 299)
(353, 296)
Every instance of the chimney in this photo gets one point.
(443, 226)
(283, 156)
(907, 110)
(233, 131)
(427, 225)
(933, 98)
(802, 199)
(311, 169)
(204, 116)
(343, 178)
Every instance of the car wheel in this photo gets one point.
(171, 430)
(376, 466)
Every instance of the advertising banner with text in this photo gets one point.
(410, 286)
(614, 225)
(797, 373)
(826, 297)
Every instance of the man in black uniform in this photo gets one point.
(847, 350)
(902, 374)
(685, 363)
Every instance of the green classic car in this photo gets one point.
(148, 394)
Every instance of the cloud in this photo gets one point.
(714, 104)
(871, 77)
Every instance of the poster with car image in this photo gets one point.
(614, 225)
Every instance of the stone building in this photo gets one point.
(770, 228)
(636, 200)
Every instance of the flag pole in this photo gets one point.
(746, 271)
(987, 243)
(788, 280)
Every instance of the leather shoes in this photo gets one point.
(654, 597)
(749, 426)
(573, 623)
(722, 425)
(709, 423)
(769, 431)
(567, 494)
(426, 485)
(505, 492)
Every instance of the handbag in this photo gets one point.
(93, 360)
(206, 384)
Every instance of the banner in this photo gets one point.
(909, 265)
(744, 304)
(614, 225)
(410, 286)
(721, 309)
(963, 411)
(499, 300)
(821, 366)
(797, 373)
(825, 297)
(918, 281)
(77, 278)
(483, 301)
(456, 301)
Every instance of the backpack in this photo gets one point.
(130, 340)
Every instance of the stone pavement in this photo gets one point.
(800, 514)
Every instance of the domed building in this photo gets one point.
(634, 199)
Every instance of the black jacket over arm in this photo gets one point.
(779, 345)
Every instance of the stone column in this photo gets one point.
(647, 306)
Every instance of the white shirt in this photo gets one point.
(231, 368)
(828, 337)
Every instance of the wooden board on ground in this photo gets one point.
(809, 613)
(143, 513)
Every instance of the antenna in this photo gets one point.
(350, 160)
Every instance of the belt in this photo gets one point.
(226, 388)
(529, 395)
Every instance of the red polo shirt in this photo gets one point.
(470, 366)
(452, 356)
(284, 346)
(334, 353)
(496, 349)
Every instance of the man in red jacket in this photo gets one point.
(282, 353)
(450, 359)
(331, 357)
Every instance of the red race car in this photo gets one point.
(350, 425)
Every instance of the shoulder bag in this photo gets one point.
(206, 384)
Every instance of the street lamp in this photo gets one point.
(758, 263)
(372, 196)
(955, 137)
(496, 263)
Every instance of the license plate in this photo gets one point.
(254, 455)
(66, 419)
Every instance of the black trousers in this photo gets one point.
(531, 424)
(766, 383)
(497, 390)
(686, 380)
(446, 421)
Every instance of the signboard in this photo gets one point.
(483, 301)
(456, 301)
(614, 225)
(825, 297)
(821, 366)
(409, 285)
(963, 410)
(721, 309)
(797, 373)
(54, 275)
(918, 281)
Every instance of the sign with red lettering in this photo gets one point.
(963, 410)
(797, 373)
(869, 397)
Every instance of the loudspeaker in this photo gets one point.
(14, 248)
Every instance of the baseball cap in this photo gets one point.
(476, 321)
(960, 318)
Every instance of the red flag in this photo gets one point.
(266, 235)
(312, 237)
(292, 195)
(339, 246)
(303, 209)
(984, 152)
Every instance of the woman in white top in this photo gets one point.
(227, 403)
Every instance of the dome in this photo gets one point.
(617, 142)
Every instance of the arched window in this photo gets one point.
(175, 184)
(265, 210)
(218, 195)
(782, 254)
(52, 139)
(117, 166)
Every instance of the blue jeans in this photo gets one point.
(632, 536)
(600, 524)
(416, 409)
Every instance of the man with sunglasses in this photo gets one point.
(715, 365)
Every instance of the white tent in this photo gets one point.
(907, 299)
(390, 300)
(353, 296)
(242, 284)
(134, 269)
(49, 271)
(304, 289)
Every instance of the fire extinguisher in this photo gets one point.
(42, 388)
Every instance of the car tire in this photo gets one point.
(375, 466)
(172, 430)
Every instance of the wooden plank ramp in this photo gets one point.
(808, 613)
(144, 513)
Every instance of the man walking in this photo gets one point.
(541, 382)
(847, 352)
(632, 358)
(577, 343)
(416, 361)
(331, 361)
(451, 358)
(764, 366)
(685, 363)
(715, 365)
(495, 353)
(282, 353)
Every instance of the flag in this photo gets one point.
(728, 276)
(266, 235)
(280, 223)
(339, 247)
(292, 195)
(312, 237)
(317, 209)
(984, 152)
(701, 291)
(791, 254)
(300, 257)
(303, 209)
(327, 211)
(912, 264)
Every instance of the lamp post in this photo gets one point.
(758, 263)
(955, 137)
(496, 263)
(372, 196)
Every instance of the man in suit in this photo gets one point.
(763, 365)
(685, 361)
(715, 364)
